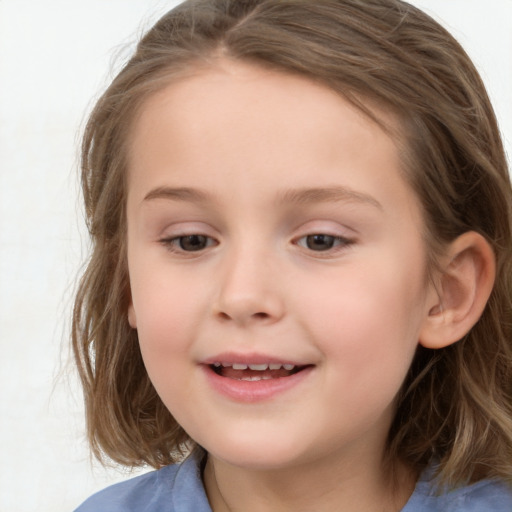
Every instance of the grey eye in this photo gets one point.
(321, 242)
(193, 242)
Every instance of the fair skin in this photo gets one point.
(269, 223)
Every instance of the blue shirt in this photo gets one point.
(179, 488)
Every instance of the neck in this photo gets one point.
(324, 487)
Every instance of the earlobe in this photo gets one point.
(132, 319)
(464, 284)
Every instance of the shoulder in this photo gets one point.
(483, 496)
(129, 495)
(170, 489)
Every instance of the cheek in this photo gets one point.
(165, 332)
(367, 322)
(167, 317)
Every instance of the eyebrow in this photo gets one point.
(178, 194)
(327, 194)
(302, 196)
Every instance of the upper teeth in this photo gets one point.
(258, 367)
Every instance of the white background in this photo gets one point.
(55, 57)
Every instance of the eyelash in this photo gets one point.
(176, 244)
(339, 243)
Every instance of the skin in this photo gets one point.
(246, 144)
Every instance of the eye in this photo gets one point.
(189, 243)
(321, 242)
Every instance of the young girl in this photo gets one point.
(299, 294)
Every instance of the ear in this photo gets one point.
(132, 319)
(463, 287)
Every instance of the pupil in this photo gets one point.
(320, 242)
(192, 242)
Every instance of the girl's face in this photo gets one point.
(277, 266)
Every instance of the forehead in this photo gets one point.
(235, 109)
(237, 126)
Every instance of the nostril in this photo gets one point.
(255, 316)
(242, 308)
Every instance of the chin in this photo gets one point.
(266, 455)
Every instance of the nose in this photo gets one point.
(249, 291)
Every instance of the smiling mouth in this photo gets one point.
(255, 372)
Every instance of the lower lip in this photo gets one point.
(256, 390)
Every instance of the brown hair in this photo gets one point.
(456, 404)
